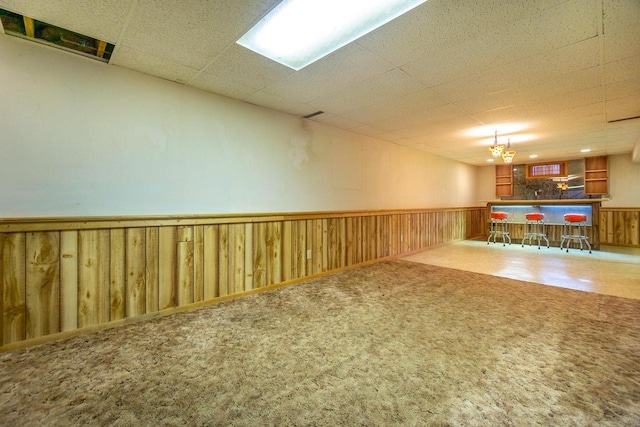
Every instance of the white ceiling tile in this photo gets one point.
(622, 43)
(626, 88)
(100, 19)
(394, 83)
(505, 47)
(349, 65)
(221, 86)
(624, 69)
(501, 12)
(491, 101)
(570, 82)
(430, 27)
(342, 122)
(247, 68)
(275, 102)
(623, 108)
(620, 13)
(191, 35)
(368, 130)
(551, 29)
(129, 58)
(476, 85)
(398, 109)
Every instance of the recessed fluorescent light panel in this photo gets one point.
(298, 32)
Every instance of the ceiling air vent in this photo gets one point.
(50, 35)
(622, 120)
(308, 116)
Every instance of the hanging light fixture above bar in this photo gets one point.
(498, 150)
(508, 155)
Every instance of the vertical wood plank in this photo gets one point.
(236, 252)
(167, 243)
(358, 240)
(184, 264)
(309, 247)
(386, 235)
(342, 242)
(117, 274)
(211, 262)
(248, 256)
(135, 267)
(287, 249)
(332, 242)
(295, 252)
(223, 259)
(372, 247)
(325, 245)
(152, 269)
(319, 252)
(198, 263)
(43, 283)
(603, 228)
(68, 280)
(300, 269)
(274, 252)
(14, 288)
(259, 254)
(618, 228)
(185, 272)
(93, 291)
(349, 245)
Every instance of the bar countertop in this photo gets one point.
(543, 202)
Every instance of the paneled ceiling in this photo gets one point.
(552, 76)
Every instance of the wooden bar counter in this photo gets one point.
(554, 211)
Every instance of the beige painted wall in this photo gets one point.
(624, 182)
(84, 138)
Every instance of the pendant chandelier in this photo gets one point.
(498, 150)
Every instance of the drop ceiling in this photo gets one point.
(552, 76)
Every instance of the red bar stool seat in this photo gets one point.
(499, 227)
(535, 227)
(574, 228)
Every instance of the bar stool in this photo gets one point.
(499, 227)
(535, 227)
(574, 228)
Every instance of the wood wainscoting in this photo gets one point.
(620, 226)
(64, 275)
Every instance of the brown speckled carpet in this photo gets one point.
(394, 343)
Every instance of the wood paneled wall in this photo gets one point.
(60, 274)
(620, 226)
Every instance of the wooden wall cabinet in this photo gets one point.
(504, 180)
(596, 175)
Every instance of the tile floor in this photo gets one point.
(610, 270)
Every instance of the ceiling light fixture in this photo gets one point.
(496, 149)
(296, 33)
(508, 155)
(499, 150)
